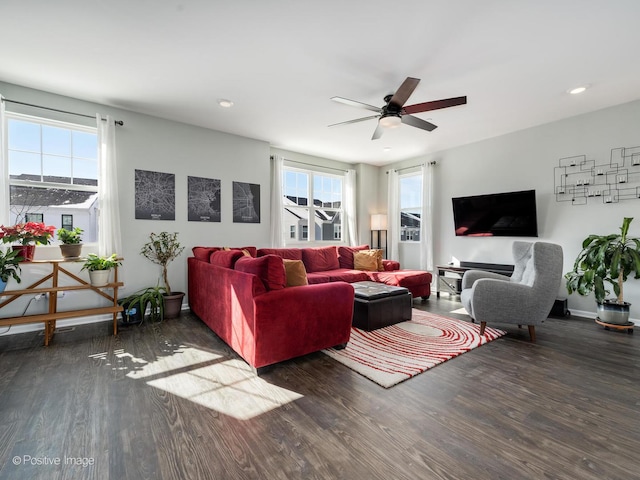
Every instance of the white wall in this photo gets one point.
(525, 160)
(151, 143)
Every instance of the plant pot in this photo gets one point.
(25, 251)
(3, 285)
(173, 304)
(99, 278)
(132, 315)
(71, 251)
(614, 313)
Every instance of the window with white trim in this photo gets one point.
(410, 195)
(324, 212)
(53, 172)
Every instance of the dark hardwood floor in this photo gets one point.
(171, 401)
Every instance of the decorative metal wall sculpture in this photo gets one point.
(577, 180)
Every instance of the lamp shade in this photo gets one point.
(378, 221)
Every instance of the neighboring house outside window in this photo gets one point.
(34, 217)
(410, 194)
(325, 212)
(53, 173)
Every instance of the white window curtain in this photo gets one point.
(350, 208)
(426, 221)
(4, 169)
(109, 236)
(277, 206)
(393, 216)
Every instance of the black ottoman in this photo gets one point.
(378, 305)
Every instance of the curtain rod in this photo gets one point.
(314, 165)
(433, 162)
(117, 122)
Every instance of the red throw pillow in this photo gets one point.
(345, 255)
(203, 253)
(269, 269)
(225, 258)
(320, 259)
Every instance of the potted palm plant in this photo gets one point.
(71, 245)
(607, 258)
(162, 249)
(100, 267)
(9, 267)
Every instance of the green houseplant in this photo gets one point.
(611, 259)
(99, 268)
(9, 267)
(71, 242)
(135, 305)
(162, 249)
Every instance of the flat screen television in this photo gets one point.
(511, 214)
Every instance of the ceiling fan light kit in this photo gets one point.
(394, 112)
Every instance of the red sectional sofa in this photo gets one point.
(332, 264)
(241, 295)
(245, 302)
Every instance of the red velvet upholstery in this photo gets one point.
(320, 259)
(225, 258)
(417, 281)
(345, 255)
(288, 253)
(266, 327)
(269, 269)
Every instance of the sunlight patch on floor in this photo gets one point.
(229, 387)
(460, 311)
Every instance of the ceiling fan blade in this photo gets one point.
(377, 133)
(354, 121)
(353, 103)
(418, 122)
(435, 105)
(404, 92)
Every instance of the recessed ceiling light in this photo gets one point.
(577, 90)
(225, 103)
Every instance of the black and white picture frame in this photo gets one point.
(155, 195)
(203, 199)
(246, 202)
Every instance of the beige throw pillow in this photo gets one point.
(295, 273)
(365, 261)
(374, 254)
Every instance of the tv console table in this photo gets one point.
(49, 319)
(454, 283)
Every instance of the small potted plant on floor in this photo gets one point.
(71, 245)
(135, 305)
(162, 249)
(606, 258)
(9, 267)
(100, 267)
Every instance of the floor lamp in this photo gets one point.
(378, 226)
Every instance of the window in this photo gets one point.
(410, 194)
(67, 222)
(53, 167)
(34, 217)
(324, 212)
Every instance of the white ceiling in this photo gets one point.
(280, 61)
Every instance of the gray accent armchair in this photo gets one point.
(525, 298)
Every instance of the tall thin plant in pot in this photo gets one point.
(611, 259)
(162, 249)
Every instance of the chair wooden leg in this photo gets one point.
(532, 333)
(482, 327)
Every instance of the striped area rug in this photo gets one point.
(396, 353)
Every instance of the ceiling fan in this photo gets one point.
(394, 112)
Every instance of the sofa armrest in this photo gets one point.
(390, 265)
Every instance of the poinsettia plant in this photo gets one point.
(27, 233)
